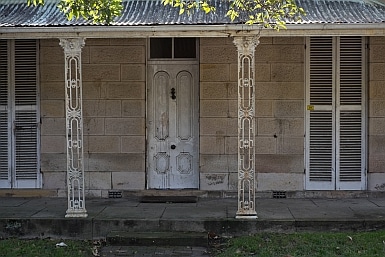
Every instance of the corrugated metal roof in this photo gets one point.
(329, 11)
(15, 13)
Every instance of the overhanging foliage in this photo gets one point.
(267, 13)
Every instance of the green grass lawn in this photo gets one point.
(363, 244)
(44, 247)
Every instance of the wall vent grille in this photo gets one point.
(114, 194)
(279, 194)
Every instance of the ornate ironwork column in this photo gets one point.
(246, 126)
(74, 126)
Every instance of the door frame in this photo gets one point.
(172, 61)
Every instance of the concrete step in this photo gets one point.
(157, 238)
(168, 199)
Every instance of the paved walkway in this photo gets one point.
(44, 217)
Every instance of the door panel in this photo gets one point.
(185, 89)
(160, 98)
(172, 158)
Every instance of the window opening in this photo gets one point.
(160, 48)
(173, 48)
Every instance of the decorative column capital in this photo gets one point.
(246, 45)
(72, 45)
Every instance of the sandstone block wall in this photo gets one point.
(279, 113)
(376, 114)
(114, 78)
(113, 111)
(218, 113)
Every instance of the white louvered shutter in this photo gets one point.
(5, 129)
(21, 120)
(350, 114)
(320, 168)
(334, 99)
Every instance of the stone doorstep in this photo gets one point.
(157, 238)
(168, 199)
(167, 192)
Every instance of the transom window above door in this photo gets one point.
(173, 48)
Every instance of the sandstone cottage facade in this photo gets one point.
(192, 102)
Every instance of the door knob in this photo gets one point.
(173, 147)
(173, 96)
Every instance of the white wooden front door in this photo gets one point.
(172, 126)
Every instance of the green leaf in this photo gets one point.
(35, 2)
(206, 9)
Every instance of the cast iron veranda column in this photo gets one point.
(246, 126)
(74, 127)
